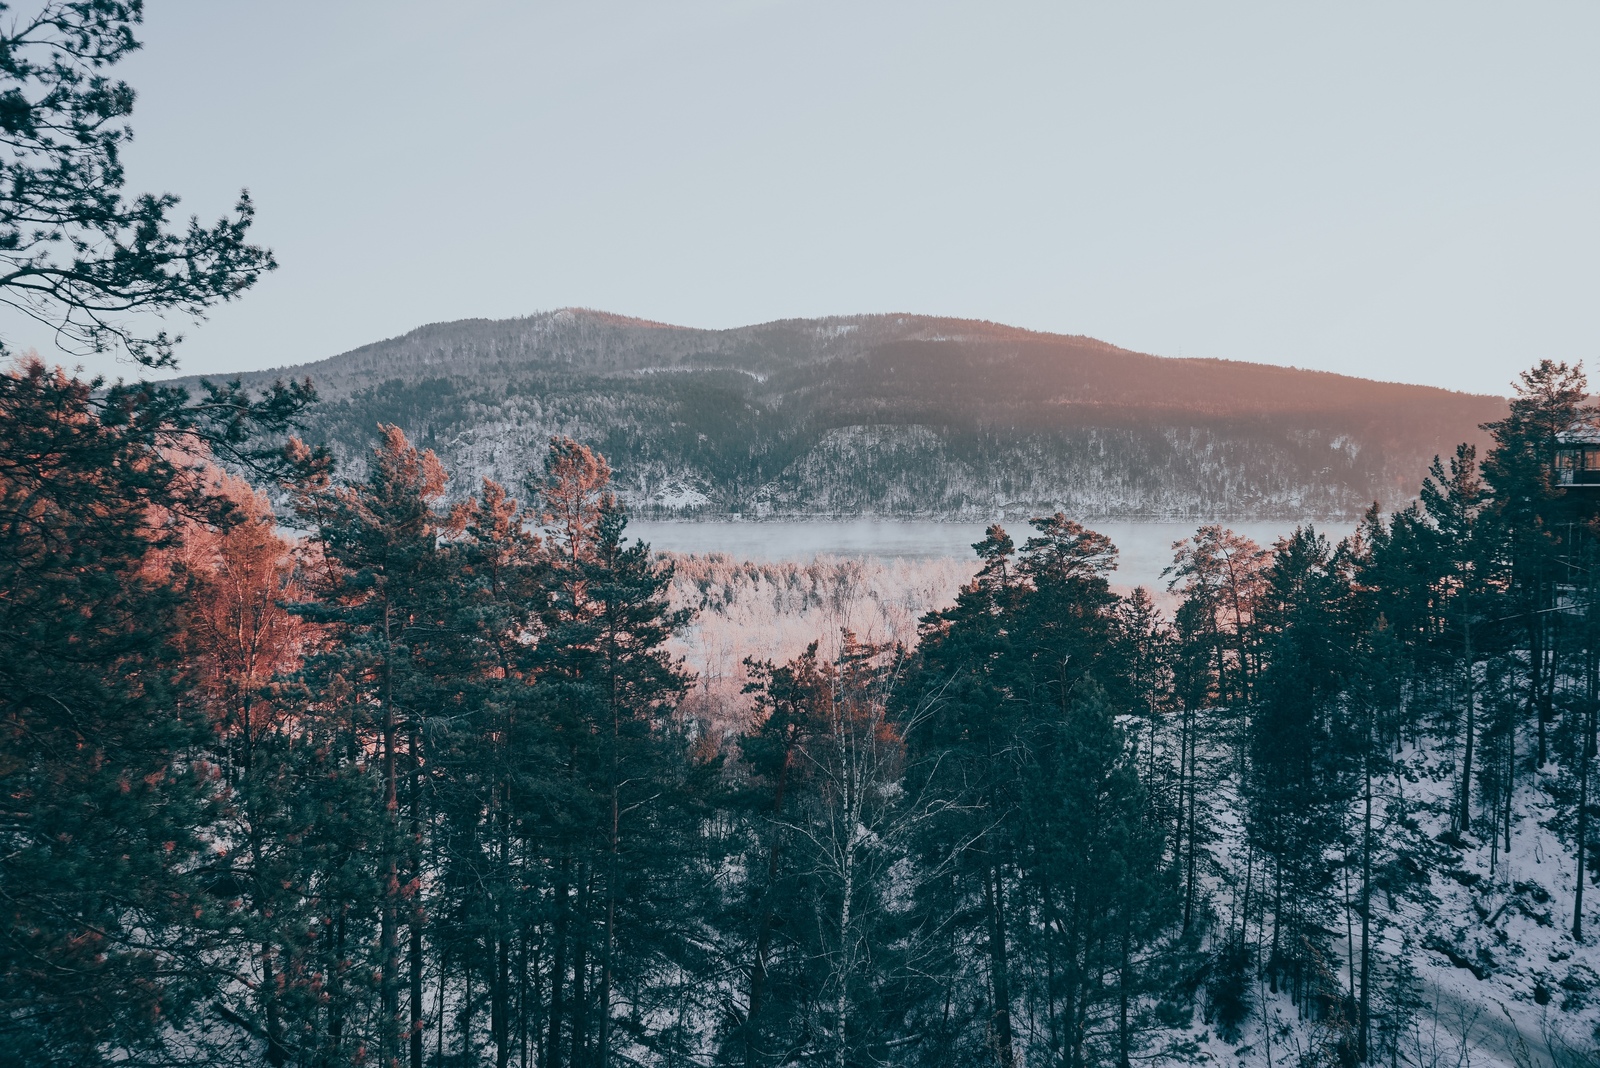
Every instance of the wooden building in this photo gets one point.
(1578, 456)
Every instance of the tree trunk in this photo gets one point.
(1244, 909)
(1464, 812)
(389, 932)
(336, 988)
(522, 1001)
(1124, 1039)
(1183, 785)
(841, 1009)
(758, 967)
(1189, 890)
(999, 969)
(1511, 780)
(603, 1054)
(466, 1013)
(1273, 960)
(1069, 1022)
(1535, 672)
(580, 974)
(1587, 750)
(558, 965)
(1365, 1011)
(502, 994)
(414, 870)
(438, 1006)
(501, 1001)
(277, 1053)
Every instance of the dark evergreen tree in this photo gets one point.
(492, 772)
(106, 804)
(378, 589)
(766, 916)
(1096, 865)
(970, 750)
(609, 691)
(75, 254)
(1532, 517)
(1458, 547)
(1041, 811)
(1299, 780)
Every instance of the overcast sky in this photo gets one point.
(1402, 191)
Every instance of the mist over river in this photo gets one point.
(1145, 548)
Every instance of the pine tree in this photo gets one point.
(243, 641)
(1042, 814)
(1464, 570)
(77, 256)
(789, 714)
(610, 689)
(1298, 779)
(1222, 573)
(107, 801)
(378, 589)
(1587, 724)
(1220, 576)
(968, 751)
(492, 763)
(1532, 515)
(1096, 863)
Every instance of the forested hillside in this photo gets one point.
(890, 415)
(427, 786)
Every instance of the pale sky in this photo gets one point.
(1403, 191)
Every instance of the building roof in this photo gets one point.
(1582, 433)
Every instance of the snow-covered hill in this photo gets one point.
(890, 415)
(1485, 962)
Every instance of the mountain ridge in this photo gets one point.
(891, 414)
(989, 326)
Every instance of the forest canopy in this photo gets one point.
(422, 784)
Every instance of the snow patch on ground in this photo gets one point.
(679, 496)
(1500, 981)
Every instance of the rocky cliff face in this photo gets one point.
(890, 415)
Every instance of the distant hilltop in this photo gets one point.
(892, 415)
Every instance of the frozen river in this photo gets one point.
(1145, 547)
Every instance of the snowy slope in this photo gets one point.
(889, 415)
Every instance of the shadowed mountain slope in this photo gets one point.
(892, 415)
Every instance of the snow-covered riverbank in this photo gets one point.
(1145, 548)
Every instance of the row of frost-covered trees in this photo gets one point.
(374, 781)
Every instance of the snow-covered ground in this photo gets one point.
(1498, 980)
